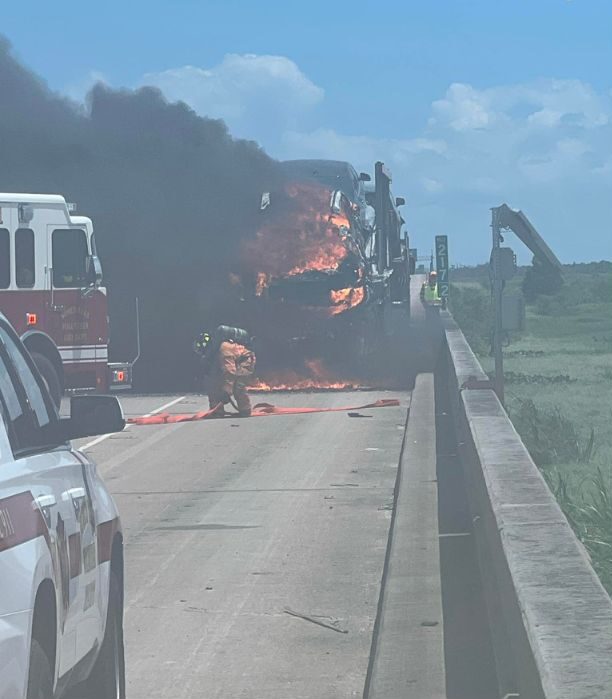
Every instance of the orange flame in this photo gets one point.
(319, 379)
(326, 253)
(301, 234)
(344, 299)
(301, 384)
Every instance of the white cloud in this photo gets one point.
(562, 103)
(431, 185)
(545, 117)
(546, 103)
(567, 158)
(255, 95)
(463, 108)
(328, 143)
(543, 146)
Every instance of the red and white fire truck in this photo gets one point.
(51, 291)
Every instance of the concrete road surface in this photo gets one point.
(231, 524)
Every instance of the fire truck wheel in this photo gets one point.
(107, 678)
(47, 371)
(40, 682)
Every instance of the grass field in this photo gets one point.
(559, 390)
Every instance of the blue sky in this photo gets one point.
(470, 103)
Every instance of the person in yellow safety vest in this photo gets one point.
(429, 290)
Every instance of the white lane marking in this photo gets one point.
(97, 440)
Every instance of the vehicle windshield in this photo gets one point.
(70, 257)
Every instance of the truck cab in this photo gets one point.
(335, 175)
(51, 291)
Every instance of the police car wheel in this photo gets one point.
(40, 680)
(107, 678)
(49, 375)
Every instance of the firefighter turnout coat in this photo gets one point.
(232, 368)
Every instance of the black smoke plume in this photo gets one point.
(171, 195)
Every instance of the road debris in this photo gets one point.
(332, 624)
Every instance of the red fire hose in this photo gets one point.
(259, 410)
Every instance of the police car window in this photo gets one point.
(20, 426)
(30, 384)
(5, 259)
(24, 257)
(9, 395)
(69, 255)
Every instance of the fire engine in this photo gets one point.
(51, 290)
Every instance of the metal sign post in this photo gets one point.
(442, 267)
(497, 301)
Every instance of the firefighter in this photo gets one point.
(228, 363)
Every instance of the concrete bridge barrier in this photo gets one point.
(550, 617)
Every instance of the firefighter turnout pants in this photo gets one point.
(217, 393)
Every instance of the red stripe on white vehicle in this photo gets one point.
(75, 555)
(105, 533)
(21, 521)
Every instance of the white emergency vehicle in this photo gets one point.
(61, 549)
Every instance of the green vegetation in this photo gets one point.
(540, 279)
(558, 388)
(470, 305)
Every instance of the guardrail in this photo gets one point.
(550, 617)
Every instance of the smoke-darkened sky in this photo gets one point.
(171, 195)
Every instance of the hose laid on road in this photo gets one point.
(259, 410)
(262, 409)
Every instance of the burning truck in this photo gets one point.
(308, 252)
(326, 274)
